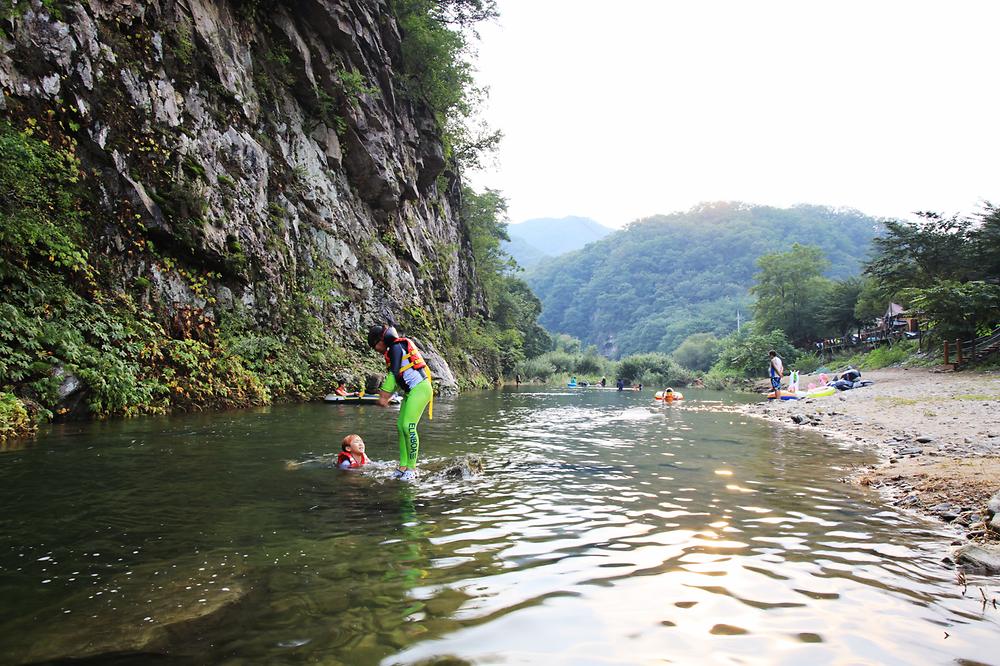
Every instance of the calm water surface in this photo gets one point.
(605, 529)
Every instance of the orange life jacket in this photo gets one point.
(344, 455)
(416, 361)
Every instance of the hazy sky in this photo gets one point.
(619, 110)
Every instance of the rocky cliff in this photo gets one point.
(247, 160)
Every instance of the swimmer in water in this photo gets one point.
(352, 453)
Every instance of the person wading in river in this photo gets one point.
(408, 374)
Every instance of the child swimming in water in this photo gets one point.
(352, 453)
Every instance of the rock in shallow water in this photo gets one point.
(985, 559)
(993, 507)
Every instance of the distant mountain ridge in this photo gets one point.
(649, 286)
(537, 239)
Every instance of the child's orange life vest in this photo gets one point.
(345, 456)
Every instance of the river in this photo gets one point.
(604, 529)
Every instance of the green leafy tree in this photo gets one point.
(566, 343)
(957, 309)
(509, 332)
(791, 291)
(987, 243)
(698, 351)
(871, 304)
(839, 311)
(946, 269)
(437, 68)
(747, 352)
(484, 216)
(913, 254)
(653, 368)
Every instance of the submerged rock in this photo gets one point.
(465, 467)
(149, 611)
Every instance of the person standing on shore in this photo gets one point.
(409, 374)
(775, 370)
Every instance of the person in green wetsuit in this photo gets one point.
(409, 375)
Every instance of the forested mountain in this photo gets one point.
(537, 239)
(665, 277)
(524, 253)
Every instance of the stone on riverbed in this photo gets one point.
(993, 506)
(151, 611)
(464, 467)
(980, 559)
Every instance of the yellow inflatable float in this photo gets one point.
(668, 396)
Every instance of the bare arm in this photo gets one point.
(383, 398)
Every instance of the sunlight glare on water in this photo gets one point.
(605, 529)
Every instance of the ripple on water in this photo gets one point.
(634, 533)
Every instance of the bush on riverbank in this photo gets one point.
(746, 353)
(588, 364)
(14, 419)
(724, 380)
(653, 369)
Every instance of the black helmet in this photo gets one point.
(375, 334)
(381, 333)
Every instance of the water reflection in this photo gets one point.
(605, 528)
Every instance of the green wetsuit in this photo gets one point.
(412, 408)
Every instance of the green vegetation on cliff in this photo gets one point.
(70, 335)
(650, 286)
(506, 331)
(437, 66)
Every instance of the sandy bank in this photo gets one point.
(938, 435)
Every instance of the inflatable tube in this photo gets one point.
(359, 400)
(821, 392)
(674, 396)
(787, 395)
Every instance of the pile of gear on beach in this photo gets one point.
(845, 381)
(849, 379)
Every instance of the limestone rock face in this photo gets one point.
(265, 147)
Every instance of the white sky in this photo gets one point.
(620, 110)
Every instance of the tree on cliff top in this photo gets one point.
(438, 70)
(512, 309)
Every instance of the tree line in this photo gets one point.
(942, 271)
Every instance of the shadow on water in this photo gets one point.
(548, 526)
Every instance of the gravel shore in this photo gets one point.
(937, 434)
